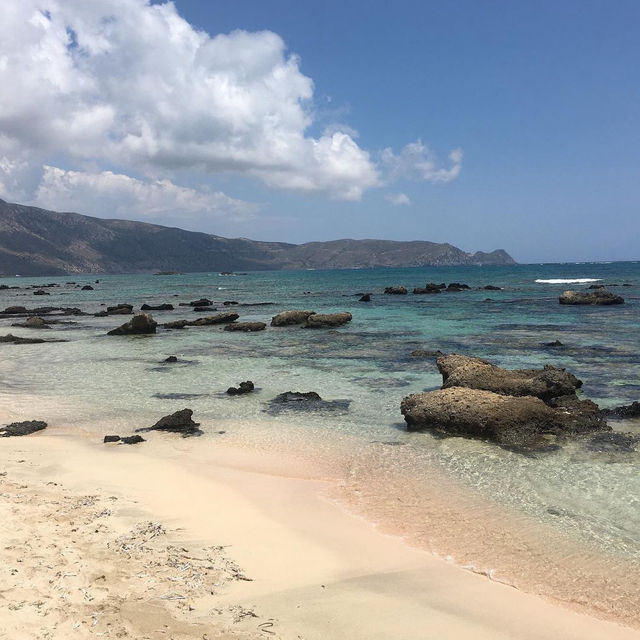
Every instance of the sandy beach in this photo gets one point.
(163, 541)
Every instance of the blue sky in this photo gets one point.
(542, 99)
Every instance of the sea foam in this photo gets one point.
(569, 280)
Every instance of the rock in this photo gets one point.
(515, 422)
(598, 296)
(204, 309)
(555, 343)
(307, 401)
(491, 287)
(142, 323)
(425, 353)
(430, 287)
(365, 298)
(108, 439)
(123, 309)
(18, 340)
(474, 373)
(579, 415)
(242, 388)
(14, 310)
(596, 286)
(626, 411)
(171, 359)
(220, 318)
(22, 428)
(87, 287)
(614, 442)
(326, 320)
(297, 396)
(178, 422)
(176, 324)
(135, 439)
(34, 322)
(41, 292)
(396, 291)
(229, 303)
(457, 286)
(203, 302)
(245, 326)
(286, 318)
(160, 307)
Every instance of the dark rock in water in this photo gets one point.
(365, 298)
(242, 388)
(135, 439)
(492, 287)
(111, 439)
(178, 422)
(204, 309)
(626, 411)
(87, 287)
(517, 423)
(228, 303)
(595, 286)
(160, 307)
(22, 428)
(457, 286)
(555, 343)
(171, 359)
(599, 296)
(425, 353)
(287, 318)
(13, 310)
(247, 327)
(176, 324)
(120, 309)
(396, 291)
(220, 318)
(141, 323)
(327, 320)
(34, 322)
(579, 415)
(18, 340)
(41, 292)
(614, 442)
(203, 302)
(308, 401)
(429, 288)
(474, 373)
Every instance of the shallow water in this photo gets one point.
(118, 383)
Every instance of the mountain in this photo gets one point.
(40, 242)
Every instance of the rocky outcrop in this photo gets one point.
(327, 320)
(247, 327)
(22, 428)
(34, 322)
(598, 296)
(474, 373)
(135, 439)
(430, 287)
(122, 309)
(292, 317)
(178, 422)
(202, 302)
(365, 298)
(241, 389)
(176, 324)
(159, 307)
(515, 422)
(142, 323)
(457, 286)
(306, 401)
(9, 311)
(626, 411)
(396, 291)
(219, 318)
(10, 338)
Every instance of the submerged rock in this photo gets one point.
(220, 318)
(457, 286)
(292, 317)
(41, 292)
(176, 324)
(34, 322)
(18, 340)
(13, 310)
(305, 401)
(203, 302)
(614, 442)
(22, 428)
(327, 320)
(599, 296)
(171, 359)
(474, 373)
(159, 307)
(178, 422)
(242, 388)
(626, 411)
(142, 323)
(120, 309)
(247, 327)
(492, 287)
(365, 298)
(87, 287)
(396, 291)
(430, 287)
(555, 343)
(426, 353)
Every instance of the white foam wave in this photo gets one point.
(569, 280)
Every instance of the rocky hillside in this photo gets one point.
(39, 242)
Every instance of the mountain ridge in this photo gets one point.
(35, 241)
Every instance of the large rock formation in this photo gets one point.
(597, 296)
(140, 324)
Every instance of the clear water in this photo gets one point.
(117, 383)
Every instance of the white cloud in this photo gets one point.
(418, 162)
(398, 199)
(114, 195)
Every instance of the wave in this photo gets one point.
(569, 280)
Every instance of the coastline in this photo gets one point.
(317, 571)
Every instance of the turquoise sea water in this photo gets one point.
(114, 384)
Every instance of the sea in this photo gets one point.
(564, 523)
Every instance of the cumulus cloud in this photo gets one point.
(133, 86)
(398, 199)
(418, 162)
(114, 195)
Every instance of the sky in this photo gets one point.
(493, 124)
